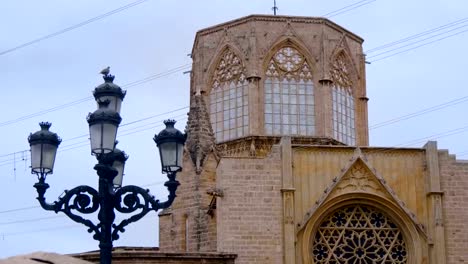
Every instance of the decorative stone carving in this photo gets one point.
(358, 180)
(200, 140)
(340, 72)
(358, 234)
(230, 68)
(248, 147)
(289, 63)
(359, 177)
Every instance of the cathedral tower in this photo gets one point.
(277, 167)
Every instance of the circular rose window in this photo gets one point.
(358, 234)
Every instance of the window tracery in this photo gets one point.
(289, 94)
(343, 101)
(229, 98)
(359, 234)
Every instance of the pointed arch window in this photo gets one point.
(289, 94)
(343, 101)
(229, 105)
(359, 234)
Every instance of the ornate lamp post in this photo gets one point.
(111, 196)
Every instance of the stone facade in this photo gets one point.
(272, 187)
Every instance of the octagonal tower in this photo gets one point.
(273, 76)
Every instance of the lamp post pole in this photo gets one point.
(111, 196)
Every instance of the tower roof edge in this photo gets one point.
(272, 18)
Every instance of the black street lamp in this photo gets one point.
(110, 196)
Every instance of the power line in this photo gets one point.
(445, 26)
(149, 78)
(347, 8)
(413, 43)
(398, 146)
(420, 112)
(55, 216)
(131, 84)
(70, 28)
(30, 220)
(13, 160)
(425, 44)
(86, 142)
(19, 209)
(381, 124)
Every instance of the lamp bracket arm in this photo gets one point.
(171, 185)
(129, 199)
(83, 199)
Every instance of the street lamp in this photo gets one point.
(111, 196)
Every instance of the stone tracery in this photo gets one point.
(229, 69)
(289, 94)
(229, 98)
(340, 71)
(289, 63)
(343, 101)
(358, 234)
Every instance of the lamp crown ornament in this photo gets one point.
(103, 113)
(170, 132)
(44, 135)
(109, 90)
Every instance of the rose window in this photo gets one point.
(359, 234)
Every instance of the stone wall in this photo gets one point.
(250, 212)
(454, 185)
(186, 226)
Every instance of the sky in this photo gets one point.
(147, 45)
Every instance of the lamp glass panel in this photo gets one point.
(102, 137)
(168, 153)
(36, 158)
(119, 166)
(43, 158)
(180, 150)
(109, 135)
(95, 134)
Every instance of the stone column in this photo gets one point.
(325, 109)
(287, 190)
(434, 195)
(255, 106)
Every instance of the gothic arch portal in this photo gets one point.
(361, 227)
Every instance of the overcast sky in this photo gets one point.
(151, 39)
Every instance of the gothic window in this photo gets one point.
(343, 102)
(229, 108)
(359, 234)
(289, 94)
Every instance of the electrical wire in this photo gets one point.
(86, 142)
(335, 13)
(131, 84)
(343, 9)
(420, 112)
(70, 28)
(419, 41)
(9, 161)
(439, 28)
(51, 217)
(422, 45)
